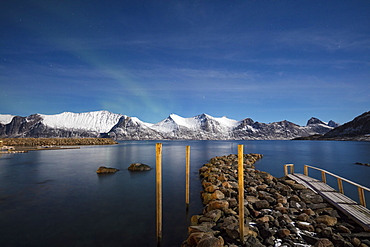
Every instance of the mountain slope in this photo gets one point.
(131, 128)
(121, 127)
(358, 127)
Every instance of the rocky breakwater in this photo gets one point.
(277, 211)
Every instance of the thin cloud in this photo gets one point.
(329, 40)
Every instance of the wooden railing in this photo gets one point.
(361, 189)
(286, 172)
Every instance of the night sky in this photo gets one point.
(267, 60)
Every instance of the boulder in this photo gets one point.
(217, 204)
(218, 195)
(262, 204)
(262, 219)
(139, 167)
(343, 229)
(324, 242)
(282, 233)
(105, 170)
(305, 226)
(210, 241)
(327, 220)
(207, 197)
(194, 238)
(214, 215)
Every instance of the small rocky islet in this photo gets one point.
(138, 167)
(134, 167)
(106, 170)
(277, 211)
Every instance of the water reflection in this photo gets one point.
(56, 198)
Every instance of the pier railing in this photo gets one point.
(361, 189)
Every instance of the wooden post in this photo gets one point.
(323, 176)
(187, 177)
(361, 195)
(158, 148)
(286, 170)
(241, 191)
(305, 170)
(340, 185)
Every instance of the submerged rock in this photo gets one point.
(139, 167)
(362, 164)
(105, 170)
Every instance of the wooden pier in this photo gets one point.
(357, 212)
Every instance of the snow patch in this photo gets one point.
(6, 118)
(231, 123)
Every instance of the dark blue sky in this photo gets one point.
(267, 60)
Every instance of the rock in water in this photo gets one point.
(104, 170)
(139, 167)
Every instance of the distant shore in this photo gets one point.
(336, 138)
(50, 142)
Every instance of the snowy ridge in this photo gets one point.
(175, 121)
(99, 121)
(6, 118)
(174, 127)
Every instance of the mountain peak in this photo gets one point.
(333, 124)
(202, 116)
(314, 120)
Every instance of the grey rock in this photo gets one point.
(139, 167)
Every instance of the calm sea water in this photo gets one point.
(55, 198)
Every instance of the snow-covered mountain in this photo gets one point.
(98, 121)
(201, 127)
(66, 124)
(131, 128)
(122, 127)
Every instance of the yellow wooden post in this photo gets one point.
(340, 185)
(158, 147)
(286, 170)
(361, 195)
(323, 177)
(187, 177)
(305, 170)
(241, 191)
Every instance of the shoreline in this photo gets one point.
(54, 142)
(278, 211)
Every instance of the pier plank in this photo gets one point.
(352, 209)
